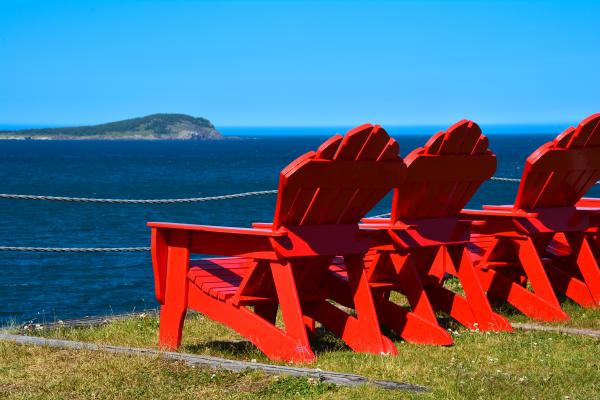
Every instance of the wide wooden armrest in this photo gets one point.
(500, 207)
(375, 221)
(474, 222)
(262, 225)
(387, 226)
(466, 213)
(218, 229)
(589, 204)
(184, 239)
(481, 214)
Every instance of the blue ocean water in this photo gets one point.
(46, 287)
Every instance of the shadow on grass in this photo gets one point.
(235, 348)
(323, 342)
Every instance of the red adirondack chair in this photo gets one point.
(322, 197)
(516, 244)
(425, 240)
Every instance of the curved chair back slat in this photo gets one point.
(341, 181)
(560, 172)
(444, 174)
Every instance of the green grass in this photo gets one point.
(480, 365)
(41, 373)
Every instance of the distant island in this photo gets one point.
(151, 127)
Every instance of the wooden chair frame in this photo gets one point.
(424, 241)
(322, 197)
(518, 239)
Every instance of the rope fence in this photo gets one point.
(497, 178)
(136, 201)
(143, 201)
(76, 249)
(9, 196)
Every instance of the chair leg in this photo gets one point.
(570, 286)
(362, 333)
(172, 312)
(434, 269)
(272, 341)
(291, 309)
(443, 299)
(365, 308)
(487, 319)
(411, 285)
(411, 326)
(501, 287)
(453, 304)
(510, 285)
(588, 266)
(419, 325)
(348, 328)
(534, 269)
(171, 327)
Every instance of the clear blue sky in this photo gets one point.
(299, 63)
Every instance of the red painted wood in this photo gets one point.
(289, 302)
(442, 177)
(283, 266)
(444, 174)
(560, 172)
(218, 229)
(159, 263)
(173, 309)
(540, 239)
(425, 225)
(323, 190)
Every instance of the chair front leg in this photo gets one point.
(534, 269)
(172, 312)
(372, 339)
(289, 301)
(480, 305)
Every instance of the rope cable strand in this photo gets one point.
(136, 201)
(144, 201)
(517, 180)
(9, 196)
(75, 249)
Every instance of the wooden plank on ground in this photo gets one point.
(216, 362)
(559, 329)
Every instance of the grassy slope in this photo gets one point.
(479, 365)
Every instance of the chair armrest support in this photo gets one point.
(482, 214)
(375, 221)
(224, 241)
(262, 225)
(217, 229)
(501, 207)
(387, 226)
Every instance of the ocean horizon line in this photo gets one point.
(324, 130)
(314, 130)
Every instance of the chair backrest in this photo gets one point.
(444, 174)
(560, 172)
(340, 182)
